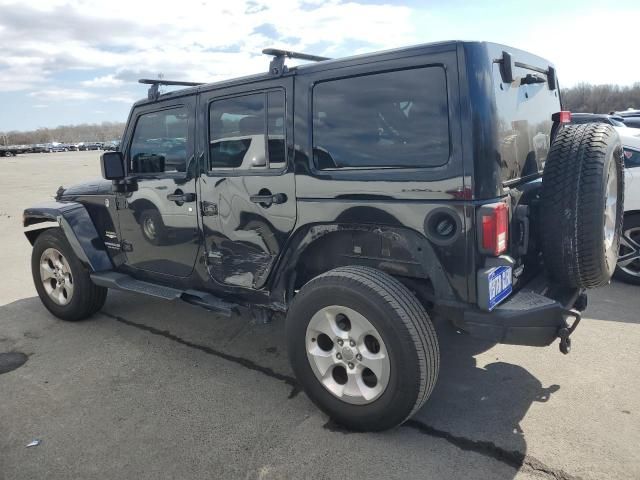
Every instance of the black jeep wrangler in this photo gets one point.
(358, 196)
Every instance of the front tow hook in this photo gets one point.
(565, 332)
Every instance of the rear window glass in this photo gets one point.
(391, 119)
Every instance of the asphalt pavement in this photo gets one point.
(154, 389)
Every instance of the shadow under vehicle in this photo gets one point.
(359, 196)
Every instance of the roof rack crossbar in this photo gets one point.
(154, 90)
(276, 66)
(289, 54)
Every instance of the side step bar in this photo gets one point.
(122, 281)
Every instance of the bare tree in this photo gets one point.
(85, 132)
(587, 98)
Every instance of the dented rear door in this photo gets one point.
(247, 187)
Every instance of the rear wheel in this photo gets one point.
(628, 269)
(362, 347)
(62, 282)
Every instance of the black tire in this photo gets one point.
(87, 298)
(402, 323)
(630, 250)
(159, 234)
(573, 204)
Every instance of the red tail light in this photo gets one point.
(494, 220)
(563, 116)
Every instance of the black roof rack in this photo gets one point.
(154, 90)
(276, 67)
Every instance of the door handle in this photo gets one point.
(180, 197)
(268, 200)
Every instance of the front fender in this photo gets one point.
(77, 226)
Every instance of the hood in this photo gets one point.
(96, 186)
(630, 137)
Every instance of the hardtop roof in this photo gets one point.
(421, 49)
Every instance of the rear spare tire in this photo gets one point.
(582, 205)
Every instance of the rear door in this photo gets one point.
(247, 187)
(158, 217)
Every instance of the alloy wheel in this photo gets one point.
(629, 258)
(56, 277)
(347, 355)
(611, 207)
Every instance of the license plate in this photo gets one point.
(500, 285)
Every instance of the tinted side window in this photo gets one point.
(159, 142)
(393, 119)
(243, 135)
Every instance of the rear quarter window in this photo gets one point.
(391, 119)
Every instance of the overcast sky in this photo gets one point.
(74, 61)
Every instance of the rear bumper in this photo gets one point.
(536, 316)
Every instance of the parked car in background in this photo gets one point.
(113, 145)
(9, 151)
(84, 146)
(631, 118)
(628, 268)
(12, 150)
(56, 147)
(615, 120)
(73, 147)
(39, 148)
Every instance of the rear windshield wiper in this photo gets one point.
(531, 79)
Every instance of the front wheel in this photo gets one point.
(62, 282)
(362, 347)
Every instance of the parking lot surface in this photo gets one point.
(153, 389)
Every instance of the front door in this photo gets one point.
(158, 215)
(247, 187)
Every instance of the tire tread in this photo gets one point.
(572, 204)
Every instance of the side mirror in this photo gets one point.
(259, 161)
(112, 165)
(257, 148)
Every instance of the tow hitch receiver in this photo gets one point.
(565, 332)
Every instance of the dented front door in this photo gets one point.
(247, 188)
